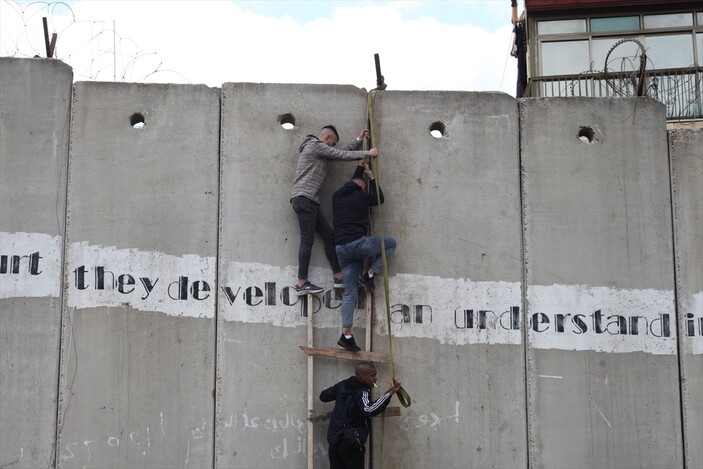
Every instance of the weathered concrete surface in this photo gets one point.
(138, 380)
(35, 103)
(137, 362)
(598, 243)
(686, 152)
(453, 205)
(262, 376)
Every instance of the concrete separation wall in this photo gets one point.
(544, 295)
(35, 105)
(687, 188)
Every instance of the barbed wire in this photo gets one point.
(628, 73)
(93, 48)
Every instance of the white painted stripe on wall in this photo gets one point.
(451, 311)
(420, 306)
(447, 307)
(147, 281)
(648, 310)
(459, 311)
(245, 289)
(38, 258)
(423, 307)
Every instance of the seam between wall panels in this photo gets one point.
(63, 308)
(217, 388)
(677, 291)
(524, 325)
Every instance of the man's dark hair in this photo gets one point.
(333, 129)
(363, 366)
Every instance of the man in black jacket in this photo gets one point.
(350, 215)
(353, 409)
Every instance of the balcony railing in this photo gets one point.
(680, 89)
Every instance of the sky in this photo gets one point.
(422, 45)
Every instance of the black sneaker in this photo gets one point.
(367, 281)
(307, 288)
(349, 344)
(338, 283)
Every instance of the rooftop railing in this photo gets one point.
(680, 89)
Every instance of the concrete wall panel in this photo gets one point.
(35, 102)
(262, 375)
(137, 374)
(602, 361)
(686, 152)
(453, 205)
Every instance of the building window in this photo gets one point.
(561, 27)
(623, 23)
(668, 21)
(564, 58)
(624, 58)
(674, 51)
(568, 47)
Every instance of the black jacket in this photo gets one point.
(353, 407)
(350, 209)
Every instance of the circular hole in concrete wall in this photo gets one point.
(137, 121)
(287, 121)
(586, 135)
(438, 129)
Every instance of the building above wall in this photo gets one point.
(551, 5)
(600, 48)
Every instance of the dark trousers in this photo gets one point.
(311, 220)
(341, 459)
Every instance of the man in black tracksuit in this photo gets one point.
(353, 409)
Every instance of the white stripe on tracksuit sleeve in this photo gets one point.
(371, 407)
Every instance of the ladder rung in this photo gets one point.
(316, 416)
(346, 354)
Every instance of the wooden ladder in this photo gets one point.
(364, 355)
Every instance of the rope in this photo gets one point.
(403, 396)
(374, 166)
